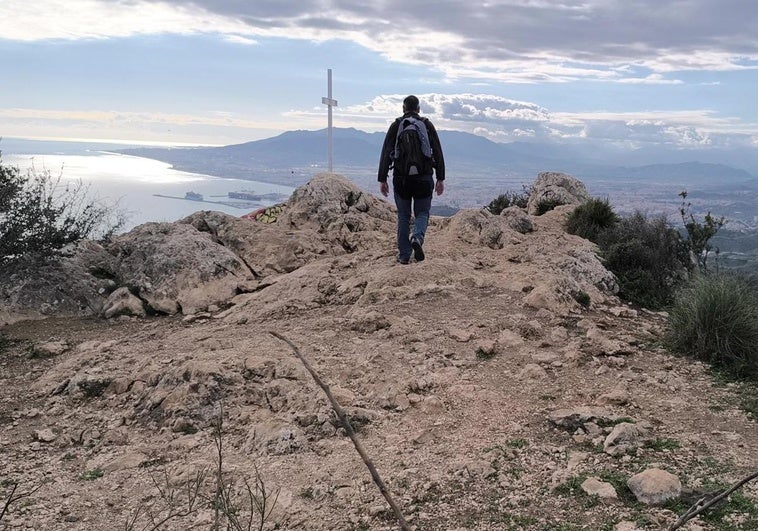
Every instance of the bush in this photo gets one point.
(715, 319)
(648, 257)
(509, 199)
(40, 215)
(591, 218)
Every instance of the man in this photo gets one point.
(412, 187)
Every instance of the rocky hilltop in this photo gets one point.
(499, 384)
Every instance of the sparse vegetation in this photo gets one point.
(238, 504)
(6, 343)
(699, 234)
(715, 319)
(661, 444)
(582, 297)
(591, 218)
(40, 214)
(91, 475)
(546, 205)
(484, 354)
(509, 199)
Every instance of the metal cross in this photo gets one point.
(330, 103)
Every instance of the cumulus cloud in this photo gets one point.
(505, 120)
(507, 40)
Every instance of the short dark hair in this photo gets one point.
(411, 104)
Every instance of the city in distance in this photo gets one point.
(721, 181)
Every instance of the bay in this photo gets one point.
(145, 189)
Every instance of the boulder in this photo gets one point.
(123, 302)
(558, 188)
(174, 267)
(625, 437)
(655, 486)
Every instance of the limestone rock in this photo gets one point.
(518, 219)
(626, 525)
(51, 348)
(572, 419)
(601, 489)
(478, 227)
(125, 462)
(532, 371)
(557, 187)
(175, 267)
(625, 437)
(616, 397)
(655, 486)
(46, 435)
(122, 302)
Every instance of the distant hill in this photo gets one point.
(300, 151)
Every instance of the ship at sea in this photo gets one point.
(193, 196)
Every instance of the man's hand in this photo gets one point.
(384, 188)
(440, 187)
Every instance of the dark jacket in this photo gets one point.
(438, 161)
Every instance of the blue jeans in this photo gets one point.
(419, 198)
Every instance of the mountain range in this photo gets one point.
(297, 153)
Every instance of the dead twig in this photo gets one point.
(350, 432)
(175, 503)
(13, 497)
(705, 503)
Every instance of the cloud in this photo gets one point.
(505, 40)
(505, 120)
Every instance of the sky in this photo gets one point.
(626, 73)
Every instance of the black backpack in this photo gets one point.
(408, 157)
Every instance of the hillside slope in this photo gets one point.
(483, 392)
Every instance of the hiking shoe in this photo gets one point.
(404, 261)
(418, 251)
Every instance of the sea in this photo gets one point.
(143, 189)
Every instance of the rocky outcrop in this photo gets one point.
(317, 252)
(173, 267)
(558, 189)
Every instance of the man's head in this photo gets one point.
(411, 104)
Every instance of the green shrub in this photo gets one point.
(648, 257)
(509, 199)
(591, 218)
(582, 297)
(40, 215)
(715, 319)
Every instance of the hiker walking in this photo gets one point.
(412, 149)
